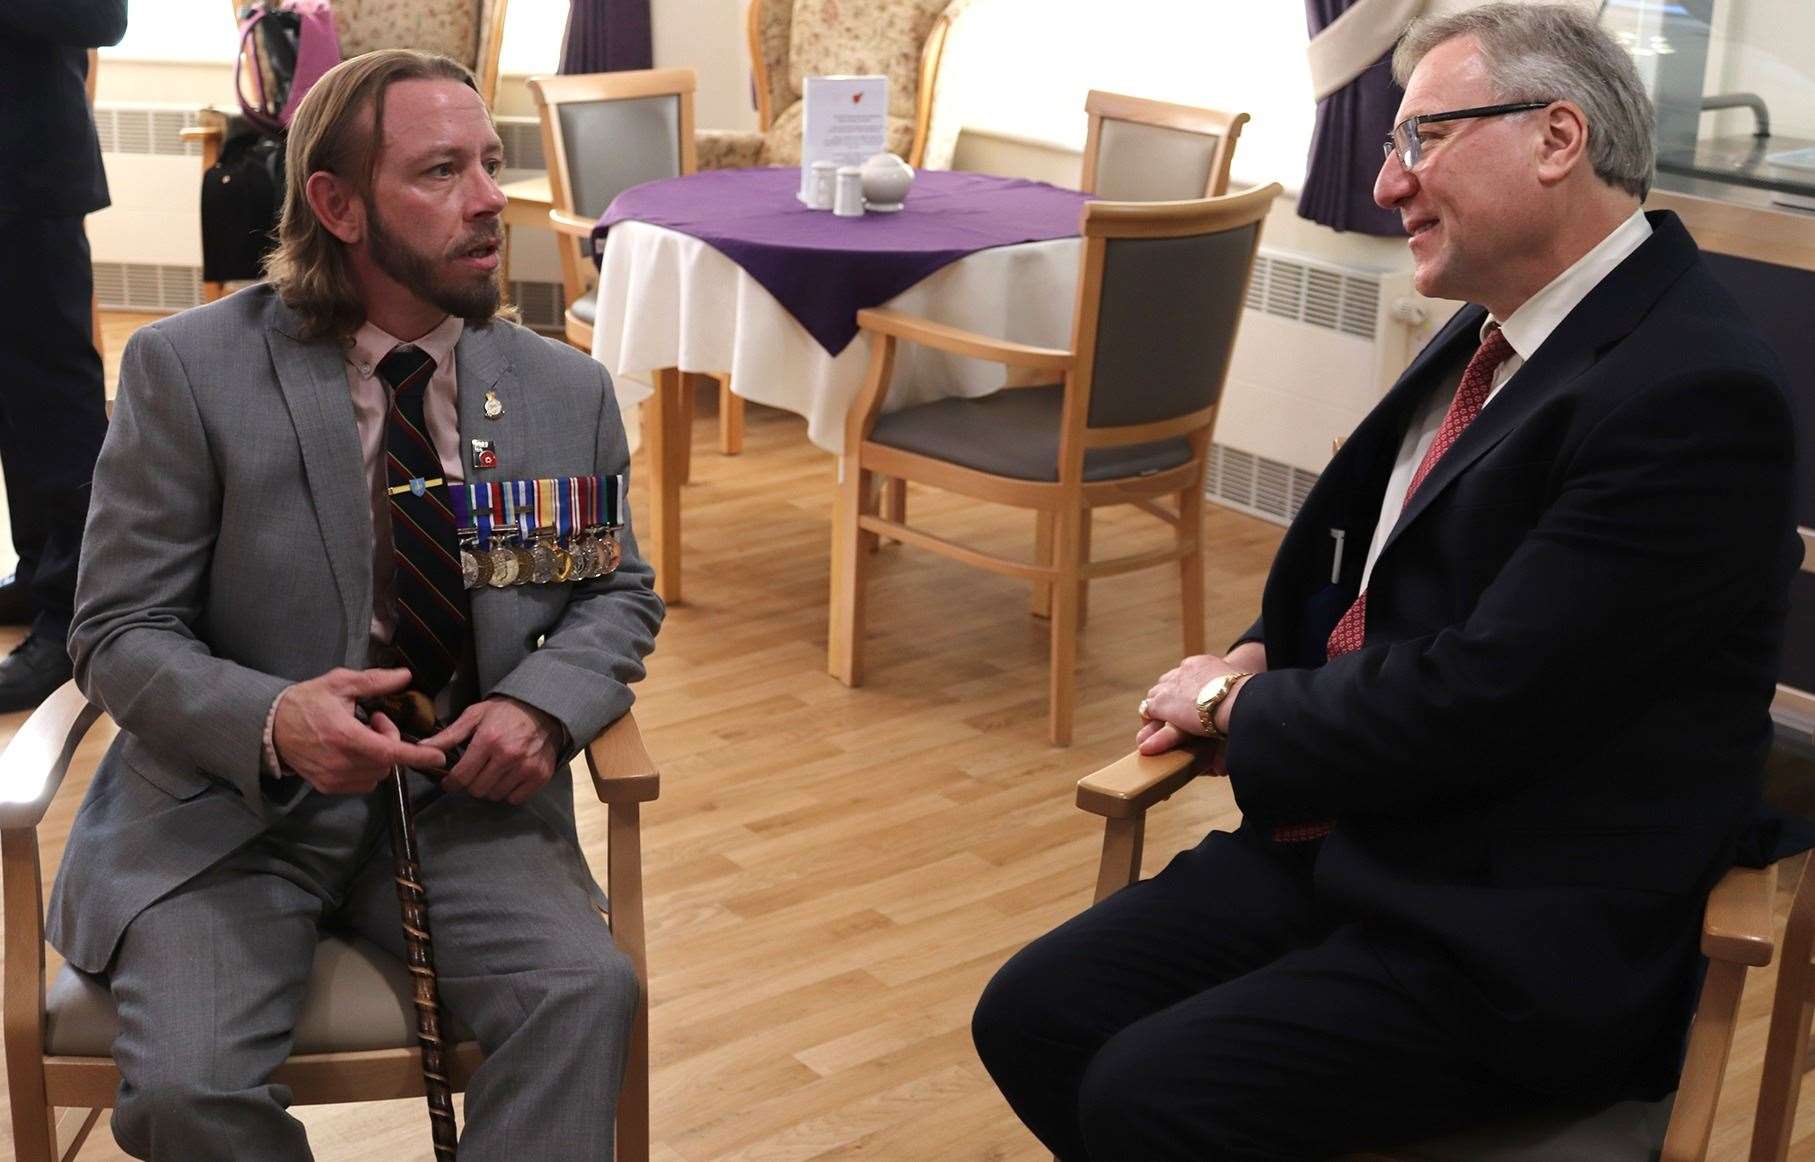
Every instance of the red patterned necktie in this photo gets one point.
(431, 595)
(1471, 394)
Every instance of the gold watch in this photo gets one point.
(1212, 696)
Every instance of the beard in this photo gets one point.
(475, 298)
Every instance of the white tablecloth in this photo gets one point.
(666, 299)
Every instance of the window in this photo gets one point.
(178, 30)
(1022, 67)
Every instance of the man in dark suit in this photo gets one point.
(1505, 710)
(52, 414)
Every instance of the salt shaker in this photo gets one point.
(847, 202)
(824, 183)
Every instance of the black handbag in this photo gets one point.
(242, 194)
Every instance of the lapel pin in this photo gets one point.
(494, 407)
(484, 455)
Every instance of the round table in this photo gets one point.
(671, 301)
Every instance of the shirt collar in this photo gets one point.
(371, 343)
(1528, 327)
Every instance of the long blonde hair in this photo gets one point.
(309, 266)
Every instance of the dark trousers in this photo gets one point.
(1215, 1012)
(52, 408)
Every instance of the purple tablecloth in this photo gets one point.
(824, 269)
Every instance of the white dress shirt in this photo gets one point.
(1526, 329)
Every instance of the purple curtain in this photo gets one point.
(607, 36)
(1345, 145)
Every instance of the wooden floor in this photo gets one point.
(834, 874)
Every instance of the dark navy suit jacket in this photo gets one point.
(47, 135)
(1541, 759)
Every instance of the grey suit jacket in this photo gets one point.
(228, 555)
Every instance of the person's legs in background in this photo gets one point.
(52, 420)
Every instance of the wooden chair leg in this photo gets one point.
(1083, 559)
(73, 1129)
(1191, 568)
(896, 499)
(1121, 862)
(1710, 1042)
(664, 438)
(1062, 682)
(855, 496)
(730, 418)
(1787, 1043)
(689, 396)
(1041, 604)
(624, 879)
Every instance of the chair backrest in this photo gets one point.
(605, 132)
(1159, 299)
(1138, 150)
(470, 31)
(903, 40)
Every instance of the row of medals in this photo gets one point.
(589, 554)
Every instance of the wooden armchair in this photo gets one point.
(1736, 935)
(903, 40)
(470, 31)
(356, 1038)
(1138, 150)
(1121, 416)
(1792, 1004)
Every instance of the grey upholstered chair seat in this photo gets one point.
(1014, 432)
(586, 307)
(359, 998)
(1628, 1131)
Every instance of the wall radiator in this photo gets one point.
(1319, 345)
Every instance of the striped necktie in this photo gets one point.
(1350, 633)
(431, 595)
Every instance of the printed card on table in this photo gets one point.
(846, 120)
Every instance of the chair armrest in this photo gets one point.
(202, 133)
(958, 341)
(1126, 788)
(622, 771)
(33, 764)
(572, 224)
(1736, 925)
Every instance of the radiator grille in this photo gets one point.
(129, 129)
(1256, 485)
(1322, 296)
(144, 287)
(522, 137)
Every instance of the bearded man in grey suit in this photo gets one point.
(239, 577)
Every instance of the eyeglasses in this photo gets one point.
(1405, 142)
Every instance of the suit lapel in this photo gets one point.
(1607, 315)
(312, 375)
(482, 369)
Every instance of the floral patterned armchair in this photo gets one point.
(793, 39)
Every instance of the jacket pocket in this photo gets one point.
(177, 782)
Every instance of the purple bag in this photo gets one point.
(290, 44)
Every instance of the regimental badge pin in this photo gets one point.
(484, 455)
(494, 407)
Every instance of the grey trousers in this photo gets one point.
(209, 981)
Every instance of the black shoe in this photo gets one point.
(15, 601)
(32, 673)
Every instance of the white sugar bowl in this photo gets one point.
(886, 179)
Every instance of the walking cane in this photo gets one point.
(420, 948)
(412, 713)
